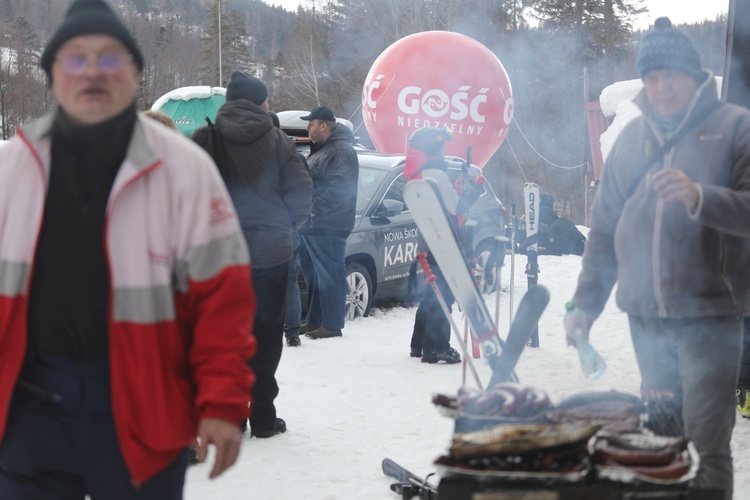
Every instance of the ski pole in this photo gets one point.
(499, 246)
(513, 225)
(431, 279)
(466, 340)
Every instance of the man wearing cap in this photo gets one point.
(334, 169)
(271, 191)
(671, 225)
(125, 298)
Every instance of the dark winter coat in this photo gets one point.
(334, 169)
(557, 235)
(268, 182)
(670, 262)
(564, 238)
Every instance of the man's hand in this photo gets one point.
(226, 437)
(577, 323)
(674, 185)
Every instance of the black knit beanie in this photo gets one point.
(89, 17)
(244, 86)
(666, 48)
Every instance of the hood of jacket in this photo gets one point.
(243, 122)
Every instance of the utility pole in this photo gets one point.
(5, 111)
(221, 75)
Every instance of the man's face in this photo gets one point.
(318, 131)
(99, 89)
(669, 91)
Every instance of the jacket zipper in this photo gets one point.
(39, 391)
(655, 252)
(724, 274)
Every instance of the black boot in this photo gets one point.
(279, 427)
(448, 354)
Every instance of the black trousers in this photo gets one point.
(61, 444)
(432, 330)
(270, 294)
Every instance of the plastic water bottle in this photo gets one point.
(592, 364)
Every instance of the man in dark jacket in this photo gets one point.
(676, 239)
(334, 169)
(271, 191)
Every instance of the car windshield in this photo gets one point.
(370, 180)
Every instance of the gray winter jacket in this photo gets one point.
(668, 262)
(268, 182)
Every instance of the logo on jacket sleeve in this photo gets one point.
(221, 210)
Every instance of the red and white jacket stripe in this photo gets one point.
(181, 304)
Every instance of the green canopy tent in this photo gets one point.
(190, 106)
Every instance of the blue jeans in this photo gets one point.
(292, 303)
(692, 363)
(322, 259)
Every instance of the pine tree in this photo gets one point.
(225, 41)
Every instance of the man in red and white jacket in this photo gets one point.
(125, 297)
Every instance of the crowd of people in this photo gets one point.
(148, 283)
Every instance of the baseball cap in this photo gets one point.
(320, 113)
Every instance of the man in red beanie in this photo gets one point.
(131, 335)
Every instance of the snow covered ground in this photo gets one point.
(350, 402)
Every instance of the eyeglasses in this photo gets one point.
(108, 63)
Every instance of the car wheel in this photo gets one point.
(485, 268)
(358, 291)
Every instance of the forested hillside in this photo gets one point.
(322, 53)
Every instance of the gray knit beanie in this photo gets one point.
(666, 48)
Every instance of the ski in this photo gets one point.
(409, 484)
(525, 322)
(426, 207)
(531, 198)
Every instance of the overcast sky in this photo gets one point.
(679, 11)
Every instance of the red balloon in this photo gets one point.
(438, 79)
